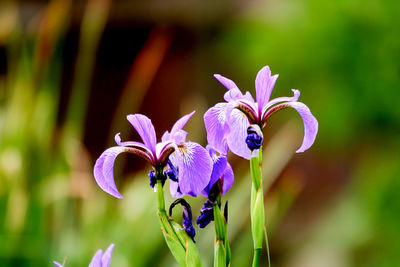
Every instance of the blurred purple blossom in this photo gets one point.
(190, 158)
(99, 259)
(227, 122)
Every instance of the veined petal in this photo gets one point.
(229, 84)
(227, 179)
(145, 129)
(181, 123)
(238, 124)
(103, 170)
(264, 85)
(214, 120)
(294, 98)
(106, 259)
(195, 167)
(96, 260)
(219, 166)
(138, 148)
(174, 189)
(309, 121)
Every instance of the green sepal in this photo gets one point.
(257, 202)
(219, 254)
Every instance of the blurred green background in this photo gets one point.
(70, 71)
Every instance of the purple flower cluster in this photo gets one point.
(235, 125)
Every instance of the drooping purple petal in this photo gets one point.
(145, 129)
(214, 120)
(294, 98)
(195, 167)
(137, 148)
(106, 259)
(264, 85)
(238, 124)
(181, 123)
(227, 179)
(103, 170)
(219, 166)
(96, 260)
(309, 121)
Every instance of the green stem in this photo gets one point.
(267, 245)
(257, 209)
(256, 257)
(160, 196)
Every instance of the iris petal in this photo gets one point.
(219, 166)
(238, 124)
(294, 98)
(309, 121)
(58, 264)
(195, 167)
(103, 170)
(264, 85)
(214, 120)
(228, 178)
(179, 124)
(106, 259)
(145, 129)
(229, 84)
(96, 260)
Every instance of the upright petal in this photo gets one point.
(181, 123)
(229, 84)
(145, 129)
(103, 170)
(96, 260)
(309, 121)
(214, 120)
(227, 178)
(238, 124)
(106, 259)
(264, 85)
(195, 167)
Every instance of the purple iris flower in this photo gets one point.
(228, 122)
(222, 178)
(99, 259)
(190, 158)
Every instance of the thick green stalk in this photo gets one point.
(257, 208)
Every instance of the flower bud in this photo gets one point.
(254, 137)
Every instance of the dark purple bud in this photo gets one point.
(153, 180)
(187, 216)
(206, 214)
(254, 137)
(172, 172)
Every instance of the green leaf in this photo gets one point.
(192, 257)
